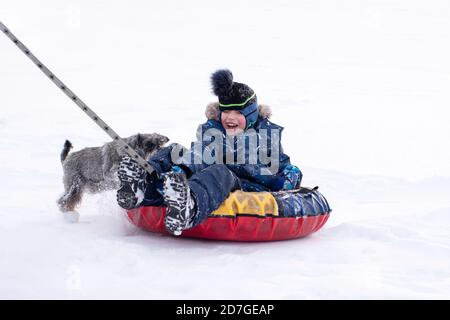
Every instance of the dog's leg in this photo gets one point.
(72, 196)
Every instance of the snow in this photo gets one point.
(361, 88)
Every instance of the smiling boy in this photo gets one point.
(193, 189)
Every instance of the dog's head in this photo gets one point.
(146, 144)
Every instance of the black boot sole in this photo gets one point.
(132, 178)
(176, 219)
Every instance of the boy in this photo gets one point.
(237, 148)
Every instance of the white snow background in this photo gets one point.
(361, 87)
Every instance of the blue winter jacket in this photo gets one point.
(257, 157)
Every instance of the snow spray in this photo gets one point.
(72, 96)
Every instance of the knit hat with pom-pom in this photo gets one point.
(235, 96)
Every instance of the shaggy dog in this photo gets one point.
(95, 169)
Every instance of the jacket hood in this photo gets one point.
(212, 111)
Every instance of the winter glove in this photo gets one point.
(292, 176)
(161, 160)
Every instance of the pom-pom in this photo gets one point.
(222, 82)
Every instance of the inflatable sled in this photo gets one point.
(250, 216)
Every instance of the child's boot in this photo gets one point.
(181, 207)
(132, 183)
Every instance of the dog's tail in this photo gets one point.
(66, 149)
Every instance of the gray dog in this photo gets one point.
(95, 169)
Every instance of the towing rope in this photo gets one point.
(72, 96)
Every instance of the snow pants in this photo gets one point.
(210, 187)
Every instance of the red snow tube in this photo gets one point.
(250, 216)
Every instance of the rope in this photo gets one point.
(72, 96)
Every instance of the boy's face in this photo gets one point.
(233, 121)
